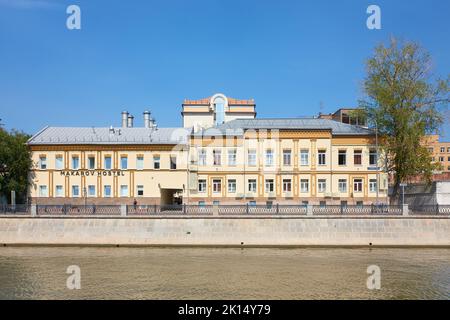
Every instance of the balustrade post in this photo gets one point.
(405, 210)
(309, 209)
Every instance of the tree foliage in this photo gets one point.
(15, 163)
(406, 102)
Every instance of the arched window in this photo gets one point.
(219, 110)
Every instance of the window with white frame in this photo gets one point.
(251, 185)
(59, 191)
(287, 185)
(108, 163)
(357, 157)
(342, 157)
(75, 191)
(373, 185)
(75, 162)
(140, 162)
(107, 191)
(304, 157)
(322, 160)
(217, 157)
(202, 185)
(91, 162)
(270, 185)
(124, 190)
(232, 157)
(173, 162)
(269, 157)
(91, 190)
(342, 185)
(202, 157)
(217, 185)
(42, 162)
(442, 149)
(140, 190)
(43, 192)
(156, 162)
(304, 185)
(124, 162)
(287, 157)
(231, 185)
(357, 185)
(373, 157)
(321, 185)
(59, 162)
(252, 157)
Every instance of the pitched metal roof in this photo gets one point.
(92, 135)
(238, 126)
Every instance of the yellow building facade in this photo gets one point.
(223, 154)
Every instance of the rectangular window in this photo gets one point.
(322, 185)
(216, 202)
(344, 204)
(173, 162)
(91, 162)
(252, 203)
(304, 157)
(251, 185)
(202, 185)
(91, 191)
(75, 162)
(322, 204)
(231, 186)
(252, 158)
(124, 190)
(59, 163)
(342, 185)
(359, 204)
(357, 185)
(322, 157)
(373, 157)
(232, 157)
(430, 150)
(342, 157)
(269, 157)
(441, 159)
(287, 157)
(108, 163)
(442, 149)
(43, 162)
(75, 191)
(140, 190)
(202, 157)
(217, 157)
(373, 185)
(107, 191)
(269, 185)
(140, 162)
(124, 162)
(201, 203)
(287, 185)
(304, 185)
(357, 157)
(448, 149)
(43, 191)
(156, 162)
(217, 185)
(59, 192)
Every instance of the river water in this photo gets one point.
(223, 273)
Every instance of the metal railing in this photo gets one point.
(224, 210)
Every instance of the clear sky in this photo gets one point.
(295, 58)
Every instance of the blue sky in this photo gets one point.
(295, 58)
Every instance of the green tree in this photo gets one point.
(15, 163)
(405, 101)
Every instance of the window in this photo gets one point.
(373, 157)
(305, 202)
(232, 157)
(108, 163)
(442, 149)
(217, 157)
(304, 157)
(75, 162)
(269, 157)
(357, 185)
(217, 185)
(107, 191)
(322, 185)
(373, 185)
(75, 191)
(251, 185)
(252, 203)
(124, 190)
(322, 157)
(91, 162)
(59, 191)
(59, 164)
(269, 204)
(201, 203)
(43, 191)
(219, 110)
(342, 185)
(140, 190)
(252, 158)
(287, 185)
(269, 185)
(441, 159)
(202, 157)
(322, 204)
(287, 157)
(448, 149)
(43, 162)
(140, 162)
(216, 202)
(202, 185)
(430, 150)
(91, 191)
(357, 157)
(359, 204)
(124, 162)
(342, 157)
(173, 162)
(344, 204)
(156, 162)
(304, 185)
(448, 158)
(232, 186)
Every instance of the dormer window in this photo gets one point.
(219, 110)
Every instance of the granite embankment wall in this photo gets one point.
(349, 231)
